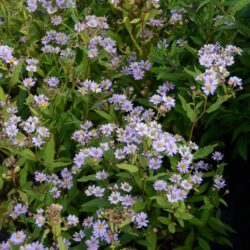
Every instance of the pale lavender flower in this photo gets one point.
(17, 237)
(141, 220)
(160, 185)
(56, 20)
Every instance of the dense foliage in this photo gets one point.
(112, 114)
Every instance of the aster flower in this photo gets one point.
(219, 182)
(56, 20)
(126, 187)
(115, 197)
(100, 228)
(17, 237)
(160, 185)
(72, 220)
(141, 220)
(40, 220)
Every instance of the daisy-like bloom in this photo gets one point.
(92, 243)
(217, 156)
(92, 53)
(100, 228)
(78, 236)
(235, 81)
(141, 220)
(168, 102)
(187, 184)
(55, 192)
(41, 100)
(31, 5)
(119, 154)
(72, 220)
(141, 129)
(219, 182)
(40, 220)
(52, 81)
(31, 68)
(79, 159)
(43, 131)
(37, 141)
(33, 246)
(29, 82)
(56, 20)
(6, 53)
(182, 167)
(159, 145)
(115, 197)
(197, 177)
(126, 187)
(79, 27)
(156, 99)
(40, 177)
(96, 152)
(160, 185)
(154, 163)
(61, 38)
(98, 192)
(138, 74)
(20, 209)
(106, 84)
(17, 237)
(5, 246)
(11, 130)
(101, 175)
(94, 87)
(127, 200)
(88, 222)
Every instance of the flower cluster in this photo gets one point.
(137, 69)
(216, 59)
(24, 133)
(177, 16)
(166, 103)
(6, 55)
(50, 6)
(89, 86)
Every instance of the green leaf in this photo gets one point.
(163, 220)
(104, 115)
(128, 167)
(28, 154)
(189, 240)
(238, 5)
(162, 202)
(203, 152)
(48, 152)
(218, 103)
(171, 227)
(2, 95)
(203, 244)
(187, 107)
(151, 240)
(95, 204)
(87, 178)
(1, 183)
